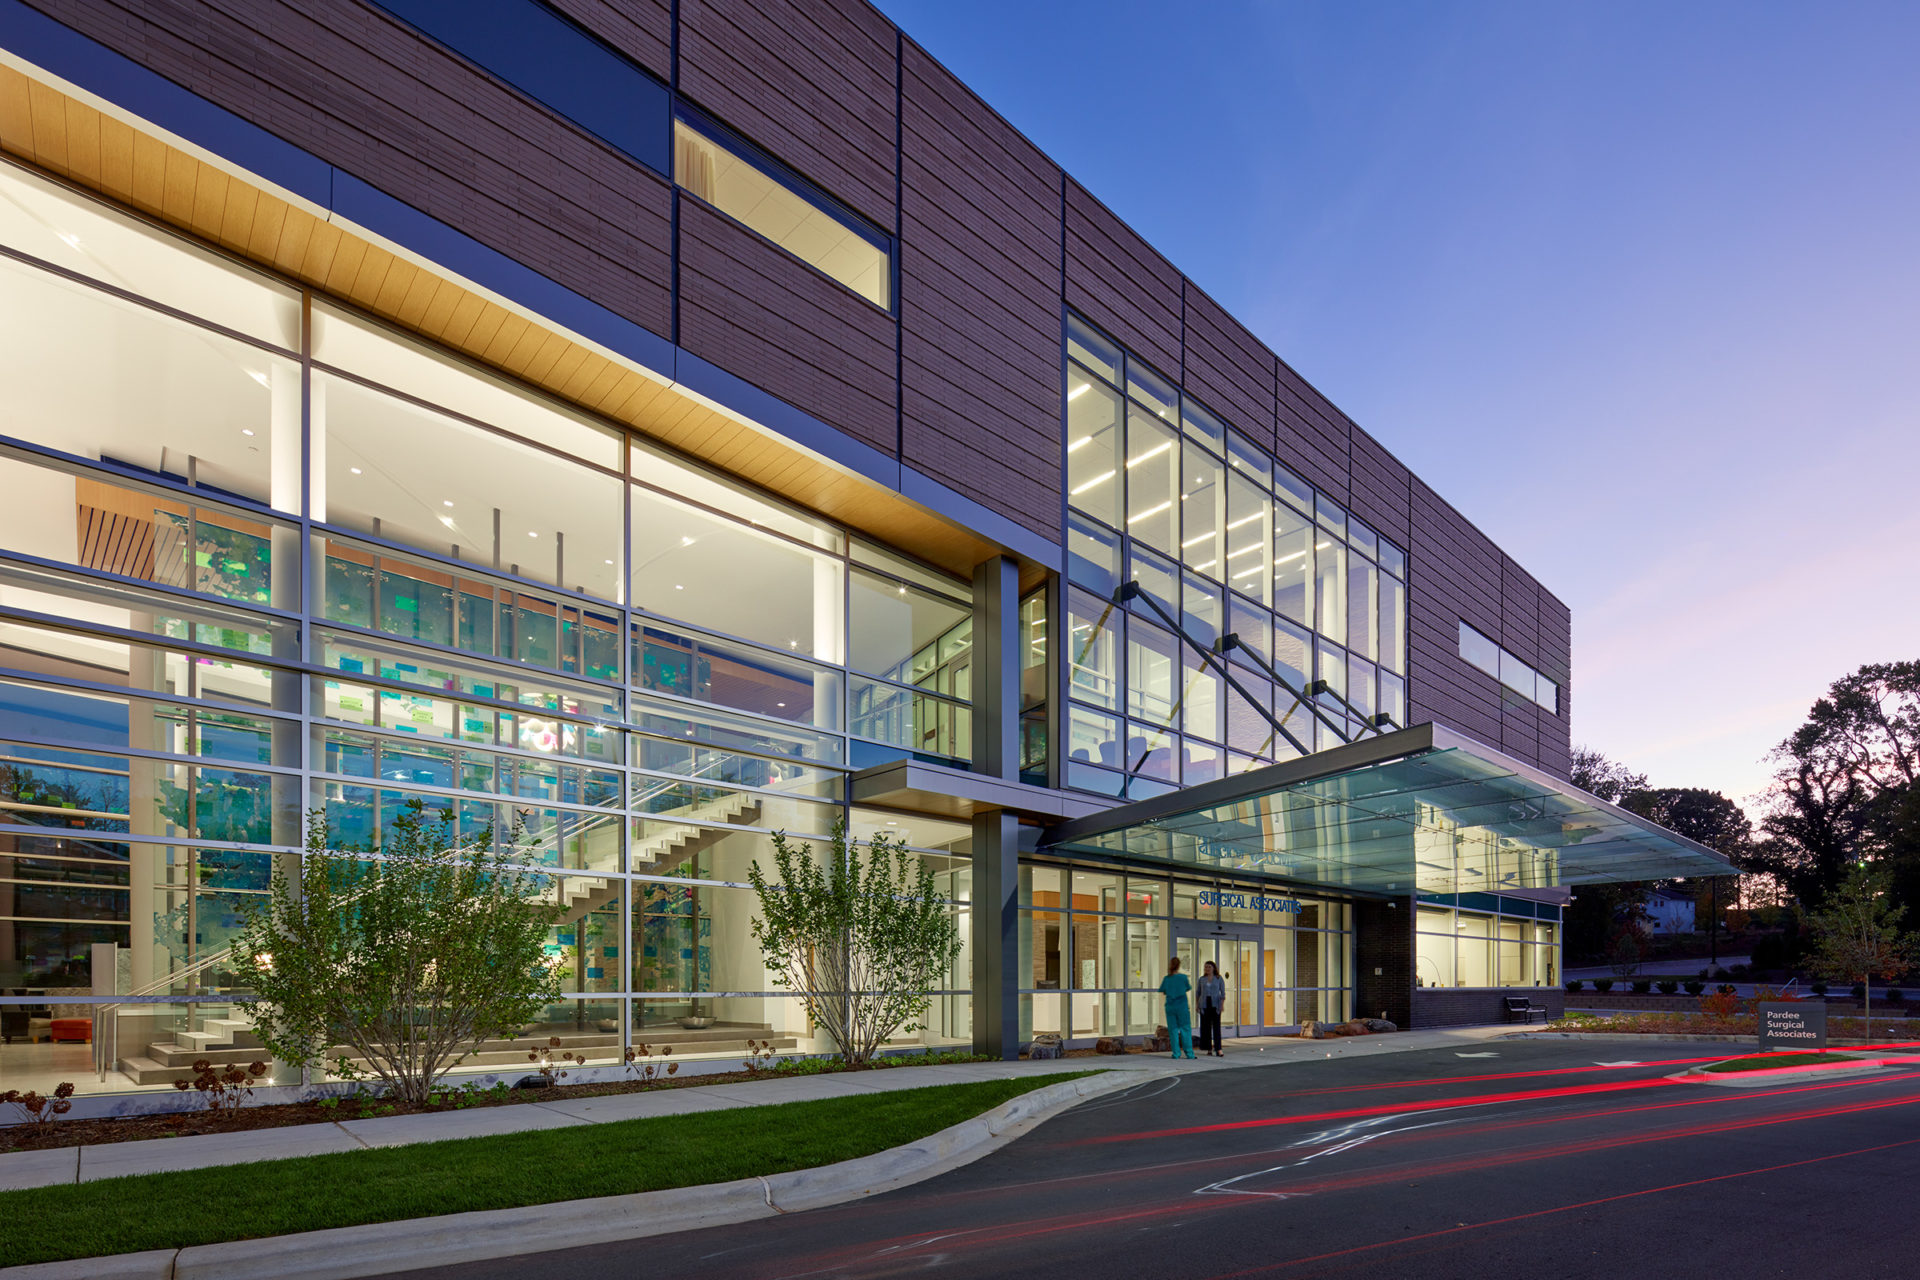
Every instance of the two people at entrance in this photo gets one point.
(1212, 996)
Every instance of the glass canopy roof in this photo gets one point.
(1422, 810)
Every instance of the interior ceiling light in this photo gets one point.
(1078, 391)
(1150, 511)
(355, 470)
(1102, 478)
(1077, 443)
(69, 239)
(246, 431)
(446, 502)
(687, 542)
(1156, 450)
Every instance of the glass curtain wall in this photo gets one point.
(1094, 945)
(1163, 493)
(1512, 944)
(486, 601)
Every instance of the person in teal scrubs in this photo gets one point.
(1175, 987)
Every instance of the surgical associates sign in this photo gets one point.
(1249, 902)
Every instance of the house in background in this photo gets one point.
(1670, 911)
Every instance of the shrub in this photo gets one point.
(642, 1067)
(1721, 974)
(410, 958)
(1725, 989)
(1858, 991)
(38, 1110)
(1897, 996)
(1603, 984)
(1723, 1003)
(864, 941)
(1694, 986)
(1574, 984)
(1642, 985)
(225, 1089)
(1819, 987)
(1667, 986)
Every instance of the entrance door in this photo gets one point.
(1236, 949)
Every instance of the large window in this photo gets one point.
(1163, 493)
(1506, 942)
(633, 669)
(763, 195)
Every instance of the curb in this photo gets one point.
(1777, 1075)
(341, 1253)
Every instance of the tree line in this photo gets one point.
(1839, 821)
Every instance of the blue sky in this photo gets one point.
(1635, 286)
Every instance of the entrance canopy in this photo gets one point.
(1421, 810)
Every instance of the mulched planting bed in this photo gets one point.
(182, 1124)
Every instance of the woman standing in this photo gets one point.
(1175, 987)
(1213, 999)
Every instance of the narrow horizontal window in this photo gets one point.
(766, 198)
(549, 59)
(1508, 669)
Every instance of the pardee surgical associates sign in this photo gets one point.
(1800, 1025)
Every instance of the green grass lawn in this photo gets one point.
(353, 1188)
(1772, 1062)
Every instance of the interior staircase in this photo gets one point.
(224, 1032)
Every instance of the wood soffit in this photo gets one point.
(88, 148)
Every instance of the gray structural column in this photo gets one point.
(996, 940)
(996, 834)
(996, 668)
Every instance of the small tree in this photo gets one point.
(863, 941)
(409, 959)
(1858, 934)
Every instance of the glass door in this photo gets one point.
(1236, 950)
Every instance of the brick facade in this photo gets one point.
(961, 380)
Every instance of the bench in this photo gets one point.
(1522, 1009)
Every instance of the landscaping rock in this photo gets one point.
(1379, 1024)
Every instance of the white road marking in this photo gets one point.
(1488, 1054)
(1617, 1064)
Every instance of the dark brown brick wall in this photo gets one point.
(363, 92)
(813, 83)
(1310, 434)
(641, 29)
(1228, 368)
(1479, 1007)
(752, 308)
(979, 301)
(1118, 281)
(1383, 940)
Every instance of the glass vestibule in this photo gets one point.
(1094, 945)
(1235, 950)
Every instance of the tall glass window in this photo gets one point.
(1222, 538)
(514, 612)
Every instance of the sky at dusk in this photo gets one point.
(1635, 286)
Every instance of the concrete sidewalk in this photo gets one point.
(122, 1159)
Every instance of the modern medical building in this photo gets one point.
(664, 423)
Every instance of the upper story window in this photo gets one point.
(765, 196)
(548, 58)
(1508, 670)
(1163, 492)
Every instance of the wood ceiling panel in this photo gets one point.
(75, 141)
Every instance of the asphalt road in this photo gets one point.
(1543, 1159)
